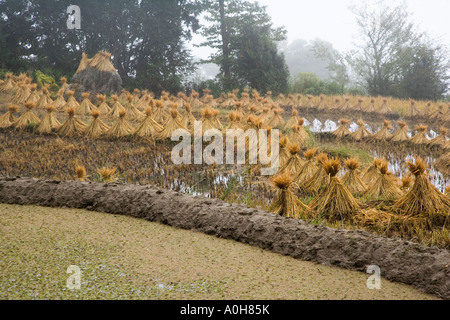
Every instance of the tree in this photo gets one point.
(386, 35)
(245, 41)
(337, 66)
(146, 37)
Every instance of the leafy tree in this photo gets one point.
(310, 83)
(245, 41)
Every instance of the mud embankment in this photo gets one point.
(425, 268)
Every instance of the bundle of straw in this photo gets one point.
(172, 124)
(97, 127)
(402, 133)
(8, 84)
(103, 107)
(49, 123)
(384, 186)
(149, 127)
(371, 173)
(86, 106)
(286, 204)
(116, 107)
(335, 202)
(73, 126)
(276, 120)
(441, 139)
(322, 105)
(362, 132)
(27, 118)
(384, 109)
(133, 113)
(45, 99)
(188, 118)
(308, 169)
(319, 179)
(71, 101)
(194, 100)
(370, 107)
(297, 135)
(34, 95)
(384, 134)
(121, 128)
(423, 199)
(22, 94)
(359, 105)
(421, 136)
(413, 111)
(208, 123)
(293, 121)
(159, 114)
(8, 119)
(60, 102)
(64, 84)
(235, 124)
(346, 106)
(83, 63)
(342, 131)
(294, 163)
(351, 179)
(284, 151)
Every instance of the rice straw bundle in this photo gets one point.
(297, 135)
(299, 103)
(420, 137)
(27, 118)
(384, 185)
(116, 108)
(293, 121)
(239, 111)
(370, 175)
(205, 97)
(351, 179)
(86, 107)
(208, 119)
(121, 128)
(322, 105)
(294, 163)
(194, 100)
(276, 120)
(8, 84)
(71, 101)
(286, 204)
(133, 113)
(336, 105)
(22, 94)
(44, 100)
(172, 124)
(441, 139)
(34, 96)
(60, 102)
(265, 117)
(149, 127)
(370, 107)
(423, 199)
(384, 134)
(49, 123)
(413, 111)
(438, 114)
(335, 202)
(342, 131)
(123, 95)
(103, 107)
(406, 183)
(234, 123)
(362, 132)
(284, 151)
(319, 179)
(188, 118)
(159, 114)
(427, 111)
(359, 105)
(308, 169)
(97, 127)
(310, 103)
(102, 62)
(384, 109)
(73, 126)
(136, 96)
(215, 120)
(346, 106)
(402, 133)
(8, 119)
(291, 100)
(64, 84)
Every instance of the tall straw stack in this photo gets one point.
(294, 163)
(335, 202)
(319, 179)
(308, 169)
(284, 151)
(34, 95)
(371, 173)
(73, 126)
(50, 122)
(286, 204)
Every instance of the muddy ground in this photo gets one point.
(426, 268)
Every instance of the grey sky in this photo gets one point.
(332, 20)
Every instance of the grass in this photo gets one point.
(125, 258)
(345, 152)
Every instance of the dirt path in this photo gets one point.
(126, 258)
